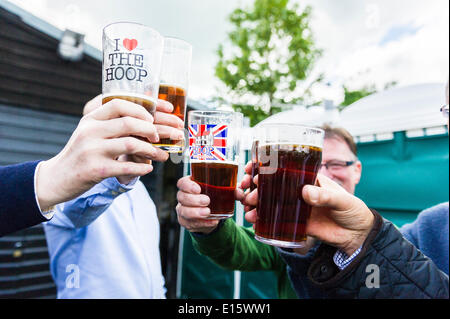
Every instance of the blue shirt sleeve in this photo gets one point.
(86, 208)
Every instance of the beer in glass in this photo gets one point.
(214, 156)
(175, 70)
(255, 163)
(289, 157)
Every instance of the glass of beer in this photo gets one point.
(255, 164)
(289, 157)
(132, 55)
(175, 70)
(214, 155)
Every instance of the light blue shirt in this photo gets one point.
(105, 244)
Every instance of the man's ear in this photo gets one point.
(358, 171)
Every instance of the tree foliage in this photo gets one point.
(272, 50)
(351, 96)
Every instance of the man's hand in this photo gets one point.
(245, 184)
(167, 126)
(192, 208)
(91, 152)
(337, 217)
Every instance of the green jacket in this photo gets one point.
(235, 248)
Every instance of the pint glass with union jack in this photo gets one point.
(214, 156)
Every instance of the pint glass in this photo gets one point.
(289, 157)
(132, 56)
(214, 156)
(175, 70)
(255, 163)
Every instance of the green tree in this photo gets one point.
(272, 50)
(351, 96)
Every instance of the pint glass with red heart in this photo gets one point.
(132, 55)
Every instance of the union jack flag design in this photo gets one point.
(208, 142)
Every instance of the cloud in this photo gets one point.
(413, 33)
(414, 59)
(376, 42)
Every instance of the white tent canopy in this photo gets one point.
(412, 108)
(312, 116)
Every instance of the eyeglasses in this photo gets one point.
(444, 111)
(336, 165)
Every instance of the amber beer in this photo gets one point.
(282, 212)
(145, 101)
(175, 71)
(176, 96)
(218, 181)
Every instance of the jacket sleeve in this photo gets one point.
(18, 206)
(235, 248)
(388, 266)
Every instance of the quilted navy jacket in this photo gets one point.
(388, 266)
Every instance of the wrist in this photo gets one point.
(48, 193)
(204, 230)
(207, 231)
(42, 194)
(126, 180)
(359, 236)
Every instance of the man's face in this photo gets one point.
(335, 150)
